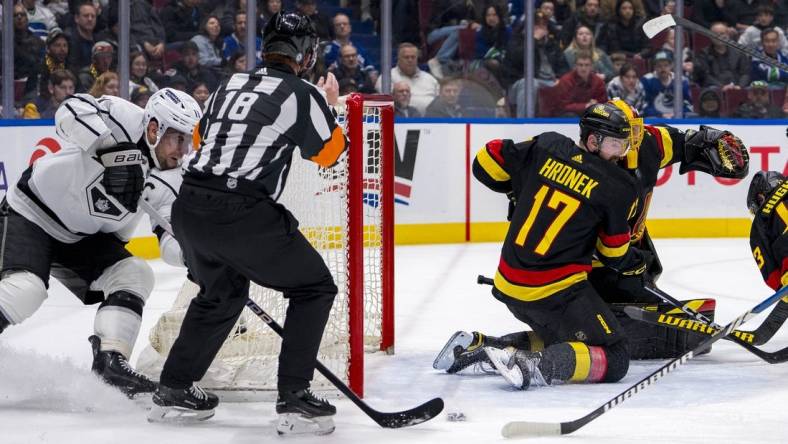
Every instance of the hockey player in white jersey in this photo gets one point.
(72, 212)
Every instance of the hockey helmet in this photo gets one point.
(604, 119)
(171, 109)
(291, 35)
(761, 186)
(636, 134)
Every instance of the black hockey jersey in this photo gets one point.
(570, 206)
(768, 239)
(252, 125)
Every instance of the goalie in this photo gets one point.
(716, 152)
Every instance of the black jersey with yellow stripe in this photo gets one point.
(661, 146)
(570, 206)
(768, 238)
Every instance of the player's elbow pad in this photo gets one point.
(171, 251)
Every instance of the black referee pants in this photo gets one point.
(227, 240)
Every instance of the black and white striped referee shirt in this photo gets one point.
(252, 124)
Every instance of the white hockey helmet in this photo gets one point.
(171, 109)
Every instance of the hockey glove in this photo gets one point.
(124, 173)
(716, 152)
(633, 280)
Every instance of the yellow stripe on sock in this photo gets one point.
(582, 362)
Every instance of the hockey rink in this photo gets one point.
(47, 394)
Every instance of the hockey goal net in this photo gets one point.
(347, 214)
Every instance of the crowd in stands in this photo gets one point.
(452, 58)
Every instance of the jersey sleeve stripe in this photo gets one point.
(491, 166)
(611, 252)
(331, 150)
(615, 240)
(664, 143)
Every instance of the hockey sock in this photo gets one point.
(580, 363)
(522, 340)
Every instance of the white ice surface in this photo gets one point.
(47, 393)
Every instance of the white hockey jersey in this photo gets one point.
(161, 189)
(62, 192)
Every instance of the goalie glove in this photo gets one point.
(124, 173)
(716, 152)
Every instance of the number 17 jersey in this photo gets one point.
(571, 206)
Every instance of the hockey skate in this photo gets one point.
(462, 351)
(519, 368)
(116, 371)
(182, 405)
(300, 412)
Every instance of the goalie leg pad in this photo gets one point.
(131, 275)
(21, 294)
(118, 321)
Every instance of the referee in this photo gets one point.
(232, 230)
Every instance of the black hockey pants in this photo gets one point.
(229, 239)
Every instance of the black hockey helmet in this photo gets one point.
(762, 185)
(606, 119)
(291, 35)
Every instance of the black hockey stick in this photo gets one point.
(740, 337)
(663, 22)
(771, 324)
(532, 429)
(391, 420)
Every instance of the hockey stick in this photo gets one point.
(391, 420)
(771, 324)
(740, 337)
(663, 22)
(515, 429)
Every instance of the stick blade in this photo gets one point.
(528, 429)
(414, 416)
(658, 24)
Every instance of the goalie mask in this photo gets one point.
(174, 109)
(762, 185)
(293, 36)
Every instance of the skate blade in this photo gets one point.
(296, 424)
(178, 415)
(445, 358)
(500, 360)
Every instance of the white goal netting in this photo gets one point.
(319, 200)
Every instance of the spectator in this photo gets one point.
(609, 9)
(235, 7)
(445, 105)
(140, 96)
(147, 30)
(236, 64)
(452, 13)
(189, 67)
(549, 62)
(423, 86)
(60, 84)
(584, 41)
(54, 59)
(28, 49)
(40, 20)
(401, 93)
(623, 33)
(349, 67)
(321, 22)
(711, 11)
(546, 12)
(269, 8)
(209, 42)
(347, 86)
(745, 11)
(564, 9)
(103, 54)
(758, 104)
(342, 31)
(770, 41)
(618, 59)
(106, 84)
(659, 87)
(138, 73)
(236, 41)
(181, 19)
(751, 36)
(686, 55)
(200, 92)
(80, 44)
(718, 65)
(178, 82)
(710, 102)
(492, 38)
(587, 16)
(579, 88)
(626, 85)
